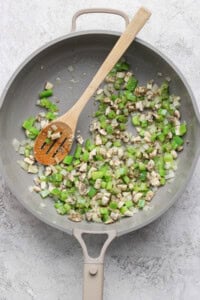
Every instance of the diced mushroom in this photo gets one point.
(55, 136)
(105, 200)
(98, 140)
(97, 184)
(137, 197)
(177, 114)
(43, 123)
(122, 187)
(115, 215)
(102, 132)
(150, 165)
(99, 91)
(174, 154)
(29, 161)
(88, 216)
(80, 139)
(54, 127)
(154, 179)
(149, 195)
(120, 74)
(106, 100)
(48, 85)
(83, 167)
(102, 151)
(75, 217)
(153, 153)
(33, 169)
(37, 189)
(120, 204)
(43, 185)
(82, 176)
(82, 188)
(92, 153)
(128, 213)
(136, 139)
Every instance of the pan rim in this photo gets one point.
(180, 75)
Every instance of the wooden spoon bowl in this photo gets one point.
(51, 151)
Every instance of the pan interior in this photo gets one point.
(85, 52)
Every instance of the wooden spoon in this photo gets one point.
(64, 127)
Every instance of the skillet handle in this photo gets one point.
(98, 10)
(93, 267)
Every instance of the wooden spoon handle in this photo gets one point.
(118, 50)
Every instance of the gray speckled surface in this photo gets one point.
(161, 261)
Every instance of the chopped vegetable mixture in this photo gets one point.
(115, 172)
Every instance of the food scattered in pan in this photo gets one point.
(116, 171)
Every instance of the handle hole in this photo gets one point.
(94, 243)
(100, 21)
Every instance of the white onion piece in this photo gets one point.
(16, 144)
(23, 165)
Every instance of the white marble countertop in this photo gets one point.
(160, 261)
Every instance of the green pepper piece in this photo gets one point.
(46, 103)
(162, 181)
(122, 118)
(62, 210)
(164, 90)
(68, 159)
(142, 166)
(97, 175)
(103, 184)
(121, 66)
(168, 157)
(63, 195)
(32, 133)
(104, 211)
(109, 129)
(130, 96)
(67, 207)
(129, 204)
(161, 137)
(182, 129)
(143, 175)
(177, 141)
(92, 192)
(44, 193)
(135, 120)
(141, 203)
(126, 179)
(117, 143)
(50, 115)
(144, 124)
(78, 151)
(85, 156)
(28, 123)
(122, 127)
(109, 184)
(56, 177)
(118, 83)
(89, 146)
(55, 192)
(131, 84)
(161, 172)
(113, 205)
(123, 209)
(46, 93)
(111, 114)
(120, 172)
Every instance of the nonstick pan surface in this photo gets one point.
(85, 51)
